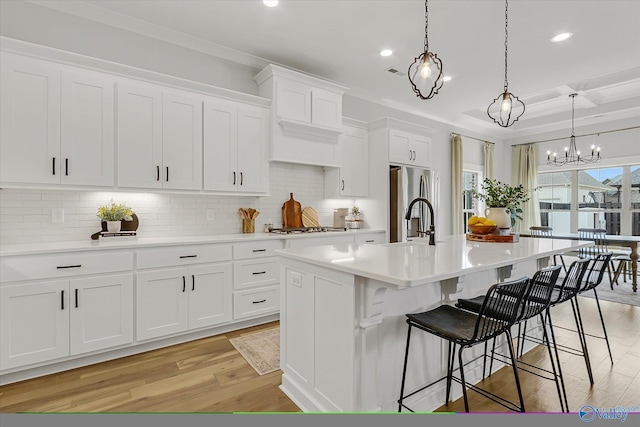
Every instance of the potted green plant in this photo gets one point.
(502, 201)
(113, 214)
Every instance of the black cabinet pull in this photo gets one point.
(241, 178)
(62, 300)
(66, 167)
(188, 256)
(157, 173)
(342, 184)
(234, 178)
(369, 241)
(184, 283)
(193, 282)
(259, 250)
(167, 173)
(260, 302)
(76, 298)
(53, 165)
(60, 267)
(259, 272)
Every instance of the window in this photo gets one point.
(555, 200)
(606, 198)
(469, 204)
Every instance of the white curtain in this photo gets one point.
(488, 159)
(524, 170)
(456, 185)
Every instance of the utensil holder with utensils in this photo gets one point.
(248, 219)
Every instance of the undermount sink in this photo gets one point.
(414, 242)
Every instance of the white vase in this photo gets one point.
(114, 226)
(499, 216)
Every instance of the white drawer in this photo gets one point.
(369, 238)
(255, 272)
(247, 250)
(183, 255)
(256, 302)
(30, 267)
(326, 239)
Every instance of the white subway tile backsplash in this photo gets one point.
(25, 215)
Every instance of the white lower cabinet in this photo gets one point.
(49, 320)
(175, 300)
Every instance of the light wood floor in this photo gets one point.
(209, 375)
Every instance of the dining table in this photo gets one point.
(612, 239)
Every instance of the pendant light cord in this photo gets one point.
(506, 36)
(573, 112)
(426, 26)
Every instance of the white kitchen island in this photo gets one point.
(343, 329)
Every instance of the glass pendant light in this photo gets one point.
(506, 113)
(425, 73)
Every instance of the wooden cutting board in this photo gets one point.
(291, 213)
(310, 217)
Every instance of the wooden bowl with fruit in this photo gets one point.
(481, 225)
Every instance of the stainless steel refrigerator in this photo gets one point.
(405, 184)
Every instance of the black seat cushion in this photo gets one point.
(447, 322)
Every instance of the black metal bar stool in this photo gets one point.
(534, 303)
(547, 232)
(464, 329)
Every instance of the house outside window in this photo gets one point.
(607, 198)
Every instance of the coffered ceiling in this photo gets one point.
(340, 41)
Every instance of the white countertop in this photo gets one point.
(416, 263)
(143, 242)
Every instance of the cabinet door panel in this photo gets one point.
(293, 101)
(182, 142)
(400, 150)
(30, 116)
(209, 295)
(326, 108)
(253, 163)
(87, 148)
(161, 303)
(220, 152)
(34, 323)
(422, 150)
(139, 137)
(101, 312)
(355, 160)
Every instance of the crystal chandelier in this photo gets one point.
(572, 156)
(425, 73)
(505, 115)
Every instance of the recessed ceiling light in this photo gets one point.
(386, 52)
(561, 37)
(446, 78)
(270, 3)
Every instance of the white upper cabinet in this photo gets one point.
(182, 142)
(235, 147)
(407, 143)
(306, 117)
(159, 138)
(57, 124)
(87, 150)
(350, 180)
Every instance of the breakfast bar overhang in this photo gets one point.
(343, 310)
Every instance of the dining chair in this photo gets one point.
(545, 231)
(598, 236)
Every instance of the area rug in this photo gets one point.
(260, 349)
(621, 293)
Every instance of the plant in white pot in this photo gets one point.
(502, 201)
(113, 214)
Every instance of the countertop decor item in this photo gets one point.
(496, 194)
(506, 113)
(310, 217)
(425, 73)
(113, 213)
(482, 229)
(248, 219)
(572, 156)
